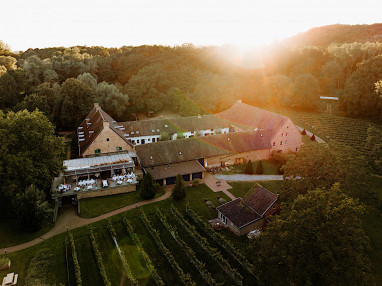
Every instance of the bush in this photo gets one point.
(303, 132)
(179, 190)
(313, 138)
(195, 182)
(147, 188)
(222, 201)
(248, 168)
(259, 168)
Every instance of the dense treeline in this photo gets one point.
(63, 82)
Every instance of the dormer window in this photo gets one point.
(157, 130)
(166, 125)
(180, 153)
(132, 132)
(153, 130)
(107, 139)
(137, 132)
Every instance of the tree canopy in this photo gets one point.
(317, 240)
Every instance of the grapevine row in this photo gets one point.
(158, 280)
(98, 256)
(221, 240)
(189, 252)
(186, 278)
(77, 268)
(202, 241)
(125, 264)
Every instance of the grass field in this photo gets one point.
(11, 234)
(239, 189)
(97, 206)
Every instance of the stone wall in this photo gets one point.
(107, 192)
(101, 142)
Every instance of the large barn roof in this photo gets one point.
(252, 117)
(171, 170)
(173, 151)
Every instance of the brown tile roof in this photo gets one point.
(252, 207)
(259, 199)
(92, 125)
(171, 170)
(249, 116)
(174, 151)
(173, 125)
(237, 213)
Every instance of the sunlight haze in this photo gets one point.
(114, 23)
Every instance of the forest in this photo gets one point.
(64, 82)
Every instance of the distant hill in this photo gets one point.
(325, 35)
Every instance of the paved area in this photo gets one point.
(210, 181)
(318, 139)
(70, 219)
(244, 177)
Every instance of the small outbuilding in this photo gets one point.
(243, 215)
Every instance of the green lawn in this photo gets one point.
(269, 168)
(97, 206)
(11, 234)
(239, 189)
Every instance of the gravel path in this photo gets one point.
(243, 177)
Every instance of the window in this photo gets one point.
(286, 134)
(281, 143)
(286, 142)
(96, 151)
(282, 134)
(154, 139)
(118, 149)
(137, 141)
(296, 149)
(274, 143)
(107, 139)
(212, 130)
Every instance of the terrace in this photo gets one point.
(94, 174)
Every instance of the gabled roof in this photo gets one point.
(173, 125)
(238, 214)
(171, 170)
(174, 151)
(93, 124)
(259, 199)
(243, 211)
(252, 117)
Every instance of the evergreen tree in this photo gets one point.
(248, 168)
(179, 190)
(259, 168)
(147, 188)
(313, 138)
(303, 132)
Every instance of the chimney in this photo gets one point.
(96, 106)
(106, 124)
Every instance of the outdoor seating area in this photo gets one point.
(120, 179)
(10, 279)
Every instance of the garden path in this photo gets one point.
(244, 177)
(69, 219)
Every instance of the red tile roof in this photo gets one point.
(252, 117)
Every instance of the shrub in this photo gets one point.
(179, 190)
(259, 168)
(248, 168)
(222, 201)
(164, 136)
(195, 182)
(313, 138)
(147, 188)
(303, 132)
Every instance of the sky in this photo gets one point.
(49, 23)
